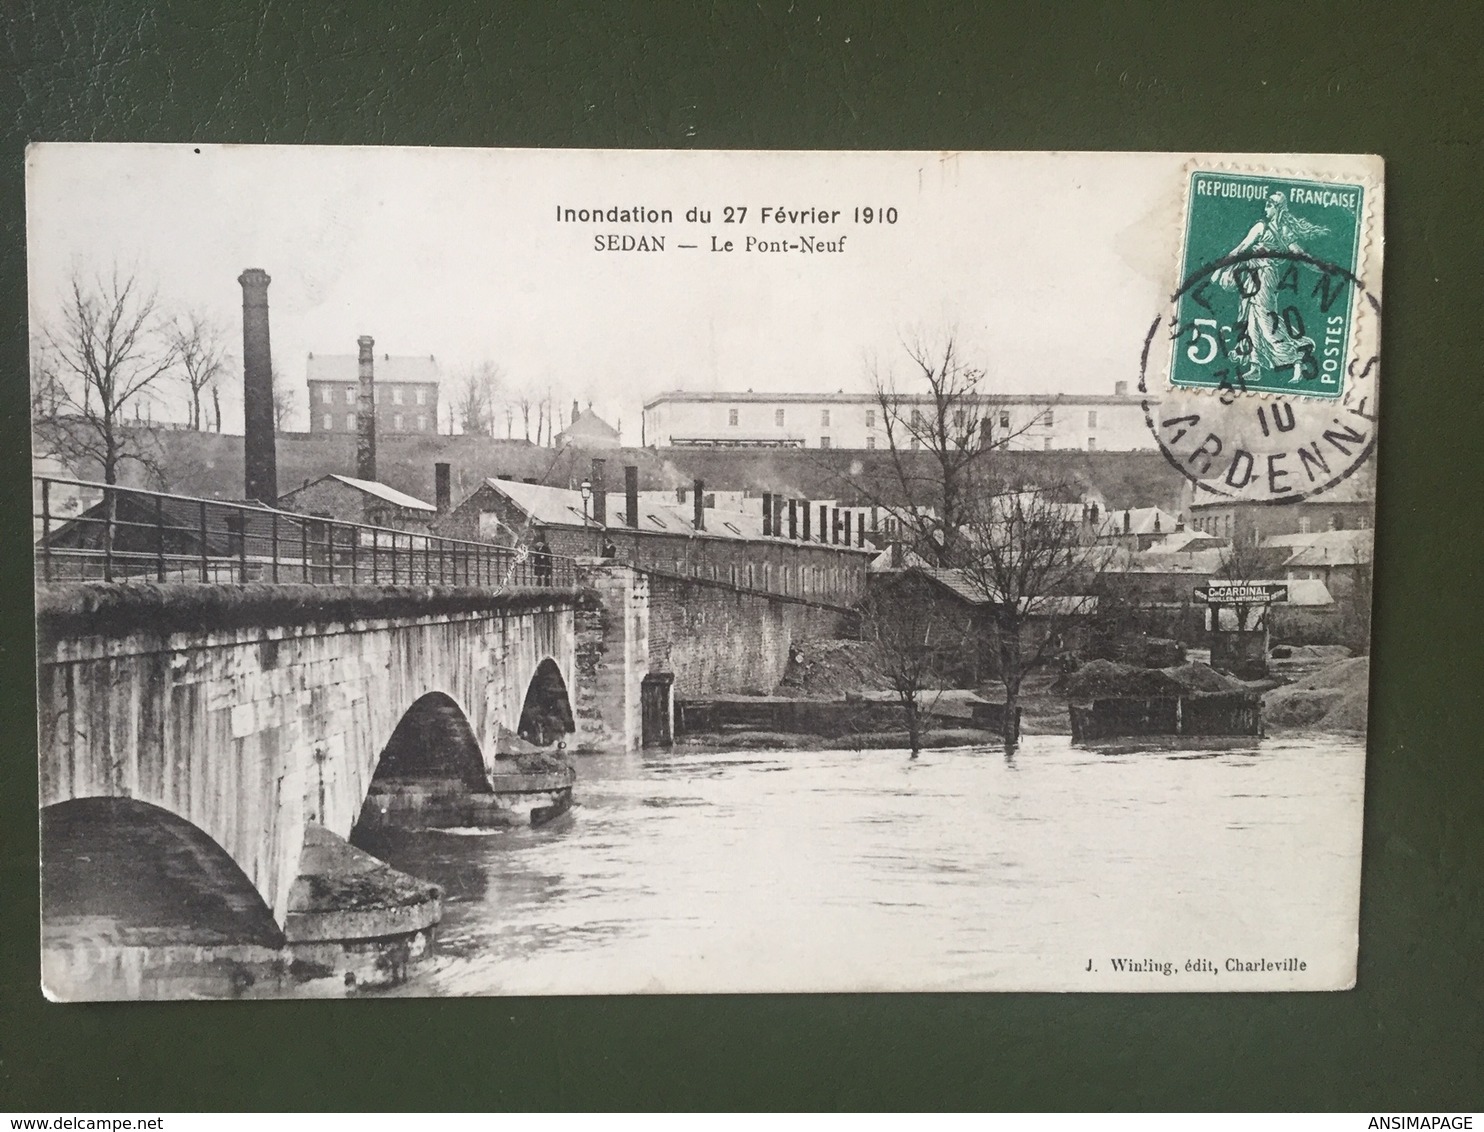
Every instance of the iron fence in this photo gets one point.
(86, 531)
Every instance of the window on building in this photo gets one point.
(870, 442)
(396, 395)
(326, 394)
(328, 422)
(1005, 420)
(1046, 444)
(824, 417)
(959, 418)
(732, 417)
(1303, 524)
(1049, 419)
(1092, 418)
(422, 396)
(422, 422)
(1092, 444)
(778, 417)
(396, 422)
(824, 441)
(916, 418)
(350, 422)
(916, 443)
(870, 418)
(350, 395)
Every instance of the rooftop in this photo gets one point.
(562, 507)
(411, 369)
(381, 491)
(1046, 400)
(1335, 548)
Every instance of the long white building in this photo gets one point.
(1085, 422)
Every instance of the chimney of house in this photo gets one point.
(699, 490)
(260, 459)
(804, 505)
(366, 410)
(793, 518)
(575, 411)
(767, 514)
(1120, 389)
(600, 496)
(896, 555)
(443, 488)
(1180, 521)
(847, 528)
(1156, 520)
(1128, 522)
(631, 495)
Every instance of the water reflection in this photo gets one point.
(862, 870)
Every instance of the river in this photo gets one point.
(843, 870)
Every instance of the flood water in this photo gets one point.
(843, 870)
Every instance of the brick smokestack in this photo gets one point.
(366, 411)
(443, 488)
(260, 458)
(631, 495)
(699, 490)
(600, 494)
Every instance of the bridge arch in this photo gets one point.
(133, 873)
(546, 713)
(434, 739)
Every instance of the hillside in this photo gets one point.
(210, 464)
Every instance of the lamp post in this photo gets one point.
(587, 494)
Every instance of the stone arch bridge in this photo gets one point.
(254, 712)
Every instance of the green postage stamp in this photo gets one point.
(1268, 292)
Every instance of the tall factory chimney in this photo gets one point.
(699, 509)
(600, 494)
(366, 411)
(631, 495)
(260, 459)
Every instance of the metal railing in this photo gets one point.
(86, 531)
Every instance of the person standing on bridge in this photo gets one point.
(541, 559)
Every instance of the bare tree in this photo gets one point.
(476, 395)
(1244, 561)
(524, 401)
(203, 357)
(108, 351)
(1028, 554)
(283, 407)
(939, 435)
(216, 405)
(912, 632)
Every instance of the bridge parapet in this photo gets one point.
(88, 531)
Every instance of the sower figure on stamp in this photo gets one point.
(541, 559)
(1268, 337)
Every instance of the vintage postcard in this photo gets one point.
(481, 572)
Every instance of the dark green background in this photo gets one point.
(1269, 77)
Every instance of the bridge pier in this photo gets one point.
(612, 656)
